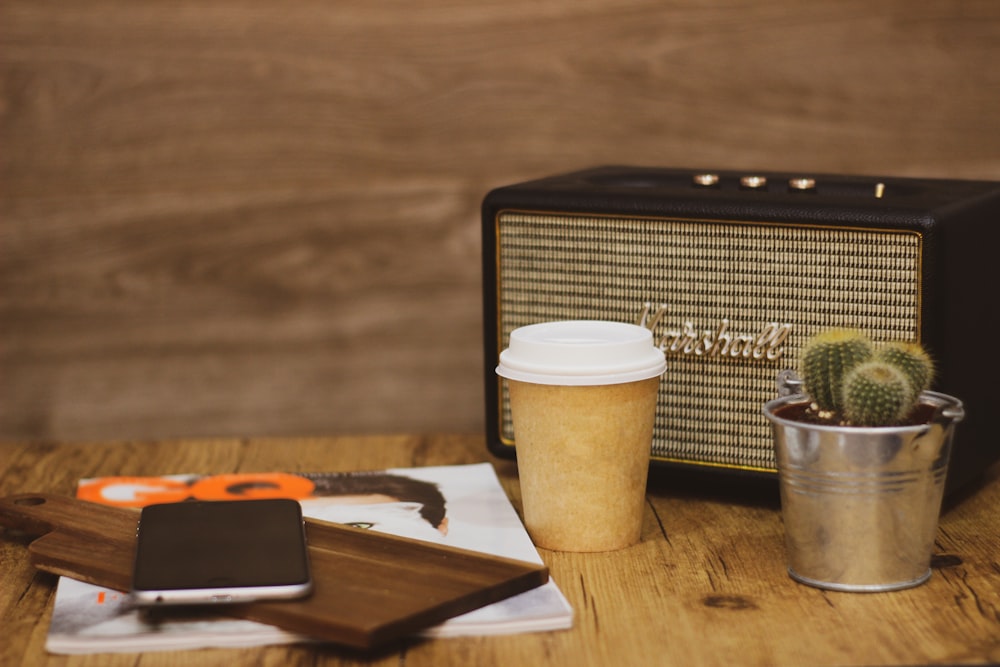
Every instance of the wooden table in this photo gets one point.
(706, 586)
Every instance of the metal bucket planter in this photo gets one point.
(861, 504)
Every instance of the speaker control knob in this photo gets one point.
(753, 182)
(802, 184)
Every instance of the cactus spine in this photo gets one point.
(826, 359)
(877, 394)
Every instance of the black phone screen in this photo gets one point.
(225, 547)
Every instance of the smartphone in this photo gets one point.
(212, 552)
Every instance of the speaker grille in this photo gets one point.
(573, 266)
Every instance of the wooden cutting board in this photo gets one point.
(369, 588)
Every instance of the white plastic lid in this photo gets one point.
(581, 352)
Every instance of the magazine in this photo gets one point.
(462, 506)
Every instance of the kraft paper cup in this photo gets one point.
(583, 402)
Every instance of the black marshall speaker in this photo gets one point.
(733, 271)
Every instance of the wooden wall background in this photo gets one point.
(251, 217)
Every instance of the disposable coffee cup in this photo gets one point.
(583, 401)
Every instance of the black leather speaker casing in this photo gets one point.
(742, 250)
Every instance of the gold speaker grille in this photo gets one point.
(554, 266)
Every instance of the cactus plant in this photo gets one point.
(826, 358)
(876, 394)
(854, 382)
(912, 360)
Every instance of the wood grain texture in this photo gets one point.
(246, 218)
(705, 586)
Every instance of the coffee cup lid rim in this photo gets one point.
(581, 352)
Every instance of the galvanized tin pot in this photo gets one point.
(861, 504)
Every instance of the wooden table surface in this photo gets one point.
(706, 586)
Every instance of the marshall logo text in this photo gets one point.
(769, 344)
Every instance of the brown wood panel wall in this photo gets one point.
(248, 217)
